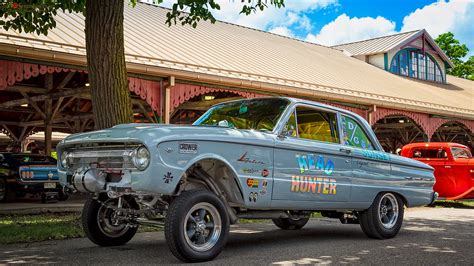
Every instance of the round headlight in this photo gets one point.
(141, 158)
(65, 159)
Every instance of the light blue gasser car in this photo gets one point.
(272, 158)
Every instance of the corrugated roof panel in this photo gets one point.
(375, 45)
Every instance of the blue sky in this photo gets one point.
(330, 22)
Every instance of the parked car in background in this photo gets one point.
(266, 158)
(22, 173)
(453, 164)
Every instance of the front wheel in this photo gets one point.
(197, 226)
(384, 218)
(290, 224)
(103, 225)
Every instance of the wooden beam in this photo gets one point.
(15, 138)
(145, 113)
(167, 102)
(39, 98)
(65, 80)
(48, 126)
(48, 82)
(27, 89)
(56, 108)
(32, 103)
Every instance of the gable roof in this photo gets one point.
(375, 45)
(387, 43)
(237, 56)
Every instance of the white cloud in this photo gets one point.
(284, 31)
(456, 16)
(345, 29)
(269, 18)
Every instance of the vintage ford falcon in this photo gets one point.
(273, 158)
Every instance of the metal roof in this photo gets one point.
(247, 58)
(376, 45)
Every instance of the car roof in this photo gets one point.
(434, 145)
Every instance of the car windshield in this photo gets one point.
(259, 114)
(33, 158)
(461, 153)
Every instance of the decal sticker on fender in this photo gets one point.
(245, 159)
(188, 148)
(253, 196)
(168, 177)
(312, 184)
(252, 182)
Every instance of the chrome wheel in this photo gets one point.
(202, 227)
(109, 220)
(388, 210)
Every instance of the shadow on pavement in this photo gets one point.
(322, 241)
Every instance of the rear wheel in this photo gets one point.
(290, 224)
(384, 218)
(103, 225)
(197, 226)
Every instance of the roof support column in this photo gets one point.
(48, 121)
(167, 100)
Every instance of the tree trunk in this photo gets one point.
(111, 100)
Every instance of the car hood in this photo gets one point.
(155, 133)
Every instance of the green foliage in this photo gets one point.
(456, 51)
(37, 16)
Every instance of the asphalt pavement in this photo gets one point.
(429, 236)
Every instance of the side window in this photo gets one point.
(317, 125)
(354, 135)
(430, 153)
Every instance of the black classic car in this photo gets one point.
(22, 173)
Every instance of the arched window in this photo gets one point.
(416, 64)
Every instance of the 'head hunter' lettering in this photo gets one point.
(309, 162)
(313, 184)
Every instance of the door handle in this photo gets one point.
(447, 166)
(347, 151)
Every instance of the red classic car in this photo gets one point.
(453, 164)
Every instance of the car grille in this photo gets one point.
(108, 157)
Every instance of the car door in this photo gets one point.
(370, 167)
(310, 164)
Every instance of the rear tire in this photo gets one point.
(197, 226)
(290, 224)
(384, 218)
(97, 222)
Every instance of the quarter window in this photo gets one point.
(354, 134)
(314, 124)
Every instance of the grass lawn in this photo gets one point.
(31, 228)
(454, 204)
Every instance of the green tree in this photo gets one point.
(111, 100)
(456, 51)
